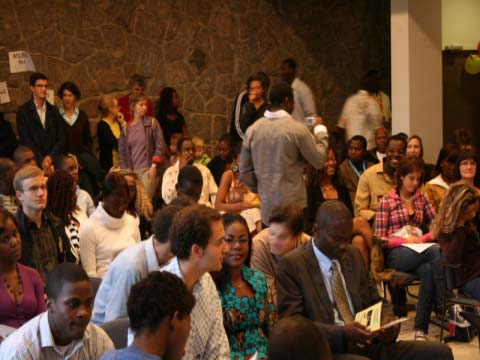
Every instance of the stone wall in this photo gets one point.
(205, 49)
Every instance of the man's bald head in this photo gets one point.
(333, 228)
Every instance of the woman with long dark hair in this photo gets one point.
(324, 186)
(248, 309)
(170, 119)
(62, 202)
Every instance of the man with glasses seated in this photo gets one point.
(44, 242)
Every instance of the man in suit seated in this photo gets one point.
(326, 281)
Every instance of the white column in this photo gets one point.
(416, 43)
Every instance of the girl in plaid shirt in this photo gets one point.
(405, 208)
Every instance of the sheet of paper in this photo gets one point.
(4, 96)
(20, 61)
(419, 248)
(370, 317)
(395, 322)
(51, 96)
(255, 356)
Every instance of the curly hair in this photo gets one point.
(452, 209)
(61, 200)
(191, 226)
(146, 309)
(142, 204)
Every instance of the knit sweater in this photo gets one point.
(102, 237)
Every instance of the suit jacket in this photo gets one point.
(301, 290)
(349, 178)
(42, 141)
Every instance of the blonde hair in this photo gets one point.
(452, 209)
(143, 204)
(198, 141)
(105, 103)
(25, 173)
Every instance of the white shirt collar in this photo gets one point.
(46, 337)
(152, 261)
(323, 260)
(438, 180)
(276, 114)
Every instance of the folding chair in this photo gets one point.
(453, 295)
(117, 330)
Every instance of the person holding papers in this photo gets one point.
(402, 218)
(326, 281)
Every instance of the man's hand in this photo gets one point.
(47, 165)
(152, 174)
(318, 120)
(357, 333)
(387, 335)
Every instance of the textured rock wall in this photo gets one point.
(205, 49)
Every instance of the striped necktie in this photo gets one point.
(340, 295)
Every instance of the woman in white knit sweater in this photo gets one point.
(109, 230)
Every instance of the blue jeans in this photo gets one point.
(472, 288)
(428, 267)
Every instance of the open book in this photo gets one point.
(372, 318)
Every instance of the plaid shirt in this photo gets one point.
(392, 215)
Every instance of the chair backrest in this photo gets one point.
(95, 281)
(117, 330)
(450, 277)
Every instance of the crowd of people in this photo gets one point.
(259, 251)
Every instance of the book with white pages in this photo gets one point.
(419, 247)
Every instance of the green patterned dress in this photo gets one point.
(247, 320)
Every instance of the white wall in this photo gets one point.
(461, 23)
(417, 72)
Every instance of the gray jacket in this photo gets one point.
(273, 156)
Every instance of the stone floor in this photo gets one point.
(461, 351)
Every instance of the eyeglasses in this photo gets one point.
(35, 188)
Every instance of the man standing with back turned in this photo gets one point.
(275, 150)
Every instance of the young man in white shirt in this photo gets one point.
(64, 331)
(197, 240)
(304, 100)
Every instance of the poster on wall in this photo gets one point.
(51, 96)
(20, 61)
(4, 96)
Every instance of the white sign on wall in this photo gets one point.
(4, 96)
(20, 61)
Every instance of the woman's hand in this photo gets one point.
(152, 173)
(414, 240)
(121, 119)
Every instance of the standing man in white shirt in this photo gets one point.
(303, 96)
(197, 240)
(64, 331)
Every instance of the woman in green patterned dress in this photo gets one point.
(248, 309)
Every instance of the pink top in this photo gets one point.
(33, 299)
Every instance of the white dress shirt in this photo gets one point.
(34, 341)
(209, 189)
(42, 112)
(325, 264)
(304, 101)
